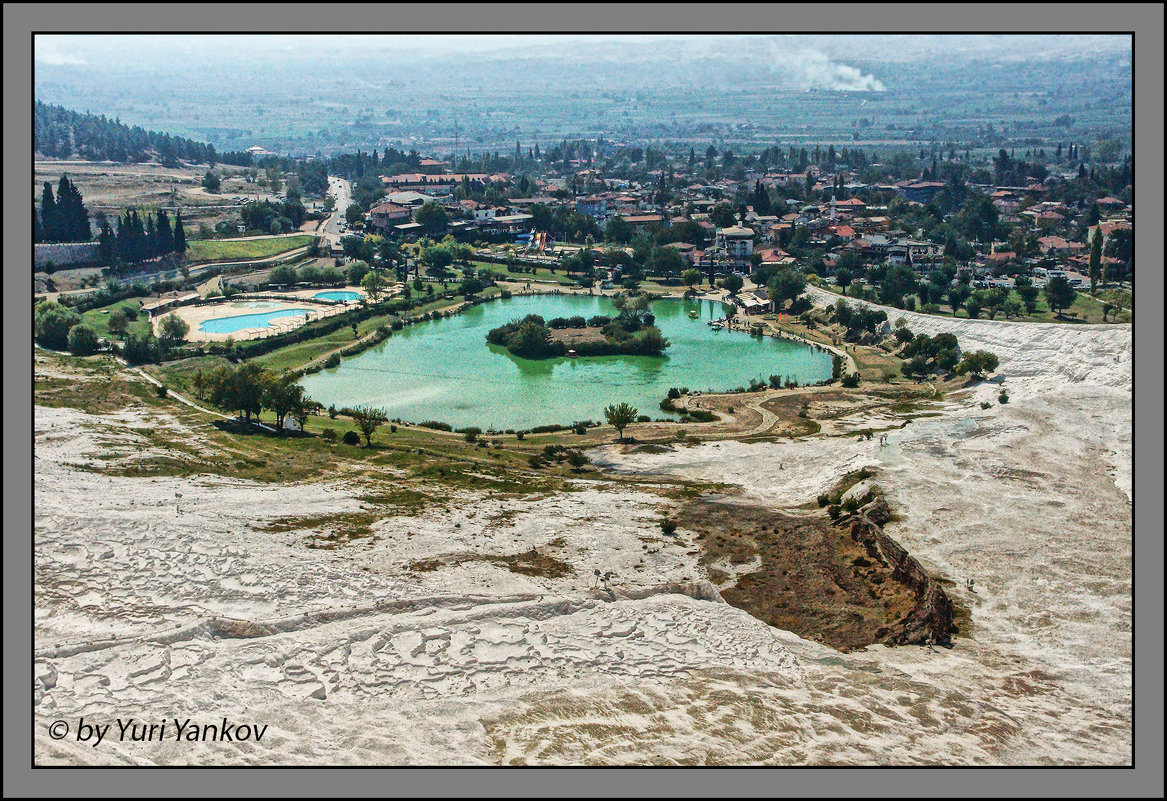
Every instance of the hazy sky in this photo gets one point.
(116, 50)
(56, 49)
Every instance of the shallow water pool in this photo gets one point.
(239, 322)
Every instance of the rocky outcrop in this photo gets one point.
(931, 617)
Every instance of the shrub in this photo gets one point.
(82, 340)
(333, 360)
(53, 323)
(352, 438)
(851, 504)
(392, 429)
(161, 390)
(471, 433)
(520, 434)
(834, 510)
(851, 380)
(436, 426)
(329, 434)
(1003, 397)
(332, 412)
(139, 348)
(548, 429)
(986, 405)
(668, 527)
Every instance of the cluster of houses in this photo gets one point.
(843, 223)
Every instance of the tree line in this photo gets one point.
(63, 218)
(62, 133)
(140, 237)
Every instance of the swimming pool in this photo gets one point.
(338, 294)
(229, 325)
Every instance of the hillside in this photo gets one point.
(61, 133)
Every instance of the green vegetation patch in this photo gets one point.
(222, 250)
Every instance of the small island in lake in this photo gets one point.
(631, 332)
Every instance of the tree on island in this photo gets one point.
(620, 417)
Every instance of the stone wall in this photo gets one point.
(64, 254)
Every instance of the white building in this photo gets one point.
(737, 241)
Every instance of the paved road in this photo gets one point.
(341, 192)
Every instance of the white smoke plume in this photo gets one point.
(811, 69)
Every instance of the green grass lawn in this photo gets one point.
(217, 250)
(541, 273)
(98, 319)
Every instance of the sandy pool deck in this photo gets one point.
(195, 316)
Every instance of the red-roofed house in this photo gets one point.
(384, 216)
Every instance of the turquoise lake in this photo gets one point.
(444, 369)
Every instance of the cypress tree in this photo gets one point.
(49, 224)
(150, 243)
(164, 233)
(179, 234)
(72, 215)
(105, 245)
(1095, 259)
